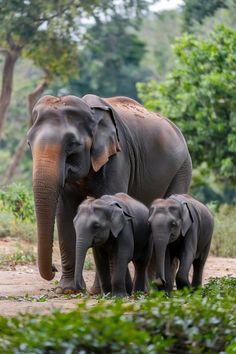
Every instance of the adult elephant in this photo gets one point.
(90, 147)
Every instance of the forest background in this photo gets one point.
(179, 62)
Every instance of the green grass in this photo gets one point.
(19, 257)
(200, 322)
(17, 199)
(14, 228)
(224, 240)
(89, 261)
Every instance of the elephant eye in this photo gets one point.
(173, 223)
(96, 226)
(72, 145)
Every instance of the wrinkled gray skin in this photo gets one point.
(91, 147)
(181, 229)
(117, 228)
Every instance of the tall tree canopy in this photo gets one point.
(197, 10)
(30, 24)
(110, 59)
(21, 24)
(199, 95)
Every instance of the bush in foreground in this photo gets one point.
(200, 322)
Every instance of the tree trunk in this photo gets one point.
(33, 98)
(21, 148)
(15, 161)
(7, 81)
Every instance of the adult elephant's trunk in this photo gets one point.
(160, 245)
(46, 184)
(82, 247)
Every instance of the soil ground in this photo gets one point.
(22, 290)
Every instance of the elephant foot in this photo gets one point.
(120, 294)
(60, 291)
(66, 286)
(158, 284)
(95, 290)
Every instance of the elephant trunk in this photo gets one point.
(82, 247)
(46, 185)
(160, 251)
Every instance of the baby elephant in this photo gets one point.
(117, 228)
(181, 228)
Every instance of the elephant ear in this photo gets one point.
(119, 219)
(187, 218)
(105, 140)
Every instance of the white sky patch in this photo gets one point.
(166, 5)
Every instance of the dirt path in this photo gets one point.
(23, 290)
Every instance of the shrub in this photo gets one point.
(199, 95)
(224, 240)
(18, 257)
(17, 199)
(200, 322)
(14, 228)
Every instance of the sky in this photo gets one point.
(166, 5)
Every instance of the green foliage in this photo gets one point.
(199, 95)
(206, 187)
(223, 16)
(89, 261)
(200, 322)
(56, 54)
(224, 241)
(13, 227)
(17, 199)
(219, 287)
(197, 10)
(22, 21)
(110, 59)
(19, 257)
(159, 31)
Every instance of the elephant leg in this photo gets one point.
(95, 288)
(139, 276)
(103, 270)
(182, 277)
(198, 266)
(174, 268)
(119, 276)
(141, 268)
(181, 181)
(67, 240)
(128, 282)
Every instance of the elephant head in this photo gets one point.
(95, 222)
(169, 219)
(68, 139)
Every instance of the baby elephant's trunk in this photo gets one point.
(81, 251)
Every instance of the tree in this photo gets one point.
(197, 10)
(24, 23)
(199, 95)
(48, 34)
(110, 59)
(56, 55)
(159, 31)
